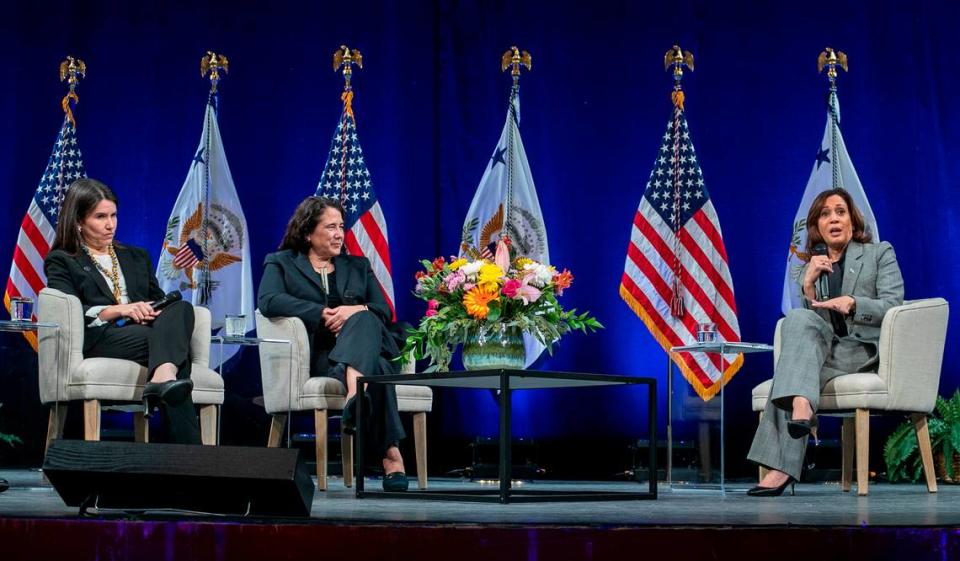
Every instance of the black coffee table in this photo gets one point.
(508, 381)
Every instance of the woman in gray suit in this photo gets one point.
(346, 315)
(848, 286)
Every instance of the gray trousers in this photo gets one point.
(811, 354)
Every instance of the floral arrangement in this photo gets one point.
(475, 298)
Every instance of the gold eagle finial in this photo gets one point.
(677, 58)
(213, 63)
(71, 70)
(515, 58)
(831, 59)
(346, 57)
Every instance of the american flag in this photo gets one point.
(346, 178)
(37, 228)
(676, 272)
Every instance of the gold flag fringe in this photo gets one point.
(347, 98)
(65, 103)
(705, 393)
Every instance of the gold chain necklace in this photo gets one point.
(113, 274)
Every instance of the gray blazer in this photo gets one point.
(872, 277)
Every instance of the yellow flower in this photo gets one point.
(457, 264)
(519, 262)
(476, 300)
(489, 277)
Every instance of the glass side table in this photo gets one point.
(245, 341)
(692, 453)
(55, 426)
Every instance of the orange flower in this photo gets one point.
(476, 300)
(562, 281)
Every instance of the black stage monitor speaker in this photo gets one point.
(212, 479)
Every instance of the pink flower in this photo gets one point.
(468, 286)
(510, 288)
(431, 312)
(432, 304)
(502, 257)
(455, 279)
(528, 293)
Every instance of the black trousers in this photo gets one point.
(167, 339)
(365, 344)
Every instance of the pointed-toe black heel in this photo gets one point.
(759, 491)
(151, 398)
(175, 392)
(799, 428)
(172, 392)
(348, 419)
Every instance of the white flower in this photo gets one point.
(541, 274)
(472, 267)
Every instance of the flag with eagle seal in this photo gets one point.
(206, 246)
(506, 204)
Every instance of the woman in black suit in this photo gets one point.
(340, 303)
(115, 284)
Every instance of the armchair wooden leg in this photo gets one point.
(277, 424)
(848, 438)
(346, 453)
(141, 428)
(208, 424)
(420, 444)
(91, 419)
(926, 453)
(58, 414)
(320, 426)
(863, 451)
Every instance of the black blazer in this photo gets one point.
(291, 288)
(77, 275)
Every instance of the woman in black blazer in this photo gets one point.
(339, 301)
(115, 284)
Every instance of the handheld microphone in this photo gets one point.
(821, 286)
(157, 305)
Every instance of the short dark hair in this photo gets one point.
(304, 221)
(82, 197)
(860, 233)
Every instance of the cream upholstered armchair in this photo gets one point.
(912, 338)
(66, 376)
(288, 387)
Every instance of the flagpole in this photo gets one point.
(71, 70)
(512, 58)
(830, 60)
(346, 58)
(211, 64)
(676, 58)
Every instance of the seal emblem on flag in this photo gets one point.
(220, 236)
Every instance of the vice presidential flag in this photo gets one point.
(39, 223)
(346, 178)
(506, 203)
(676, 273)
(206, 247)
(831, 168)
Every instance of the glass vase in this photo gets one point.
(494, 349)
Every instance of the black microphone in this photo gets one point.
(822, 285)
(157, 305)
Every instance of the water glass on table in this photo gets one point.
(235, 325)
(21, 309)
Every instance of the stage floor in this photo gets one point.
(815, 505)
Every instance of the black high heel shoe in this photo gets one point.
(172, 392)
(799, 428)
(151, 398)
(348, 419)
(759, 491)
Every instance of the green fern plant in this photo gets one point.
(901, 452)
